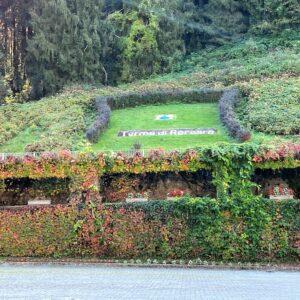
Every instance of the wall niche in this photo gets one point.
(17, 192)
(117, 187)
(268, 178)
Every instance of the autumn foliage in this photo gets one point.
(258, 230)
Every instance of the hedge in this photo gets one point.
(229, 118)
(237, 230)
(102, 120)
(225, 161)
(164, 96)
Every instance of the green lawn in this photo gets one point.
(143, 118)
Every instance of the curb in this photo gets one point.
(125, 264)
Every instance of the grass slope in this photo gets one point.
(143, 118)
(59, 122)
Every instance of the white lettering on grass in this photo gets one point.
(177, 132)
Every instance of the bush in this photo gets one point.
(228, 116)
(240, 230)
(102, 120)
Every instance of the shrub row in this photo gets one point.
(164, 96)
(229, 118)
(102, 120)
(257, 230)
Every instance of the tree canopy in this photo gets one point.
(46, 44)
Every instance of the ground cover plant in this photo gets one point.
(204, 115)
(53, 123)
(274, 106)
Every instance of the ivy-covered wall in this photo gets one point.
(231, 166)
(236, 225)
(237, 230)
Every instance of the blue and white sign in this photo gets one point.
(164, 117)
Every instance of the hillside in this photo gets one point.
(266, 70)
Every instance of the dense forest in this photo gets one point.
(46, 44)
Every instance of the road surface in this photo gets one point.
(98, 282)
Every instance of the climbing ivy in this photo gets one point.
(231, 166)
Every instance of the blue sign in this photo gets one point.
(165, 117)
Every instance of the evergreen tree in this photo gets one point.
(3, 87)
(51, 43)
(66, 46)
(271, 16)
(227, 19)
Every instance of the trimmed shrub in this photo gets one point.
(102, 120)
(229, 118)
(238, 230)
(164, 96)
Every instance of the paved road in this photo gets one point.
(88, 282)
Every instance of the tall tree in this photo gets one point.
(50, 43)
(14, 35)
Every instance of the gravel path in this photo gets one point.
(99, 282)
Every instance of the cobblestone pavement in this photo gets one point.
(98, 282)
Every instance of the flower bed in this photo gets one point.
(137, 197)
(280, 191)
